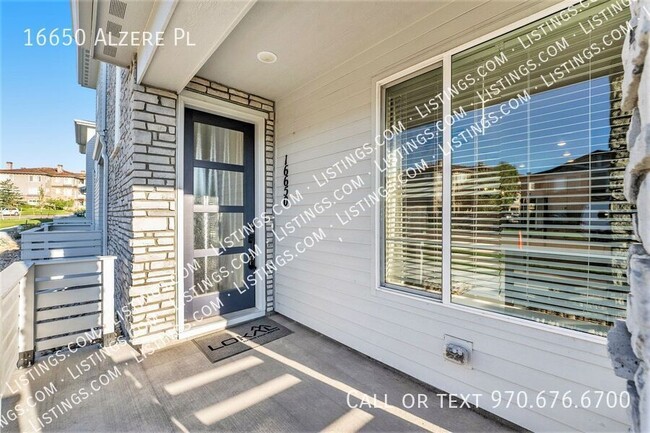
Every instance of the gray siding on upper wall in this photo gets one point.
(328, 288)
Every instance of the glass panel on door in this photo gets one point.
(213, 143)
(218, 187)
(210, 228)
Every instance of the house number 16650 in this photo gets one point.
(54, 37)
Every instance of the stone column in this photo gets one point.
(629, 340)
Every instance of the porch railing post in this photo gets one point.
(26, 318)
(108, 301)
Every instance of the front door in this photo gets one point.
(219, 197)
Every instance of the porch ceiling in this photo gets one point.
(309, 39)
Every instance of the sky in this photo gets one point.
(39, 94)
(577, 116)
(565, 124)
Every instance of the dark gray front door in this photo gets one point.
(219, 197)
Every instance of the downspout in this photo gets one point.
(118, 113)
(101, 163)
(104, 161)
(105, 201)
(102, 185)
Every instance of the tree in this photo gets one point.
(10, 195)
(41, 197)
(509, 184)
(498, 187)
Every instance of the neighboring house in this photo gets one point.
(296, 131)
(55, 183)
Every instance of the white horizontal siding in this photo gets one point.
(329, 287)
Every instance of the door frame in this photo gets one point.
(221, 108)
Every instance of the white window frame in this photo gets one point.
(424, 300)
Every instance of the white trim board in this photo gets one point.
(218, 107)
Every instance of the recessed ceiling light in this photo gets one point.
(567, 153)
(562, 143)
(570, 160)
(267, 57)
(522, 165)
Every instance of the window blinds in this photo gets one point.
(412, 212)
(540, 227)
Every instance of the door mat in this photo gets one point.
(238, 339)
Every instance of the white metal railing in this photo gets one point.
(54, 303)
(67, 238)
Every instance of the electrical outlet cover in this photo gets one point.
(468, 345)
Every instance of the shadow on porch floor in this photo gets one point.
(299, 383)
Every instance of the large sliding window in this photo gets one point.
(536, 153)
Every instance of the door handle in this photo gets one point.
(251, 257)
(251, 263)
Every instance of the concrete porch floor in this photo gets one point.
(299, 383)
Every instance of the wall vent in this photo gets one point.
(113, 29)
(110, 51)
(117, 8)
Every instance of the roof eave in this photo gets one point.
(82, 22)
(87, 69)
(84, 131)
